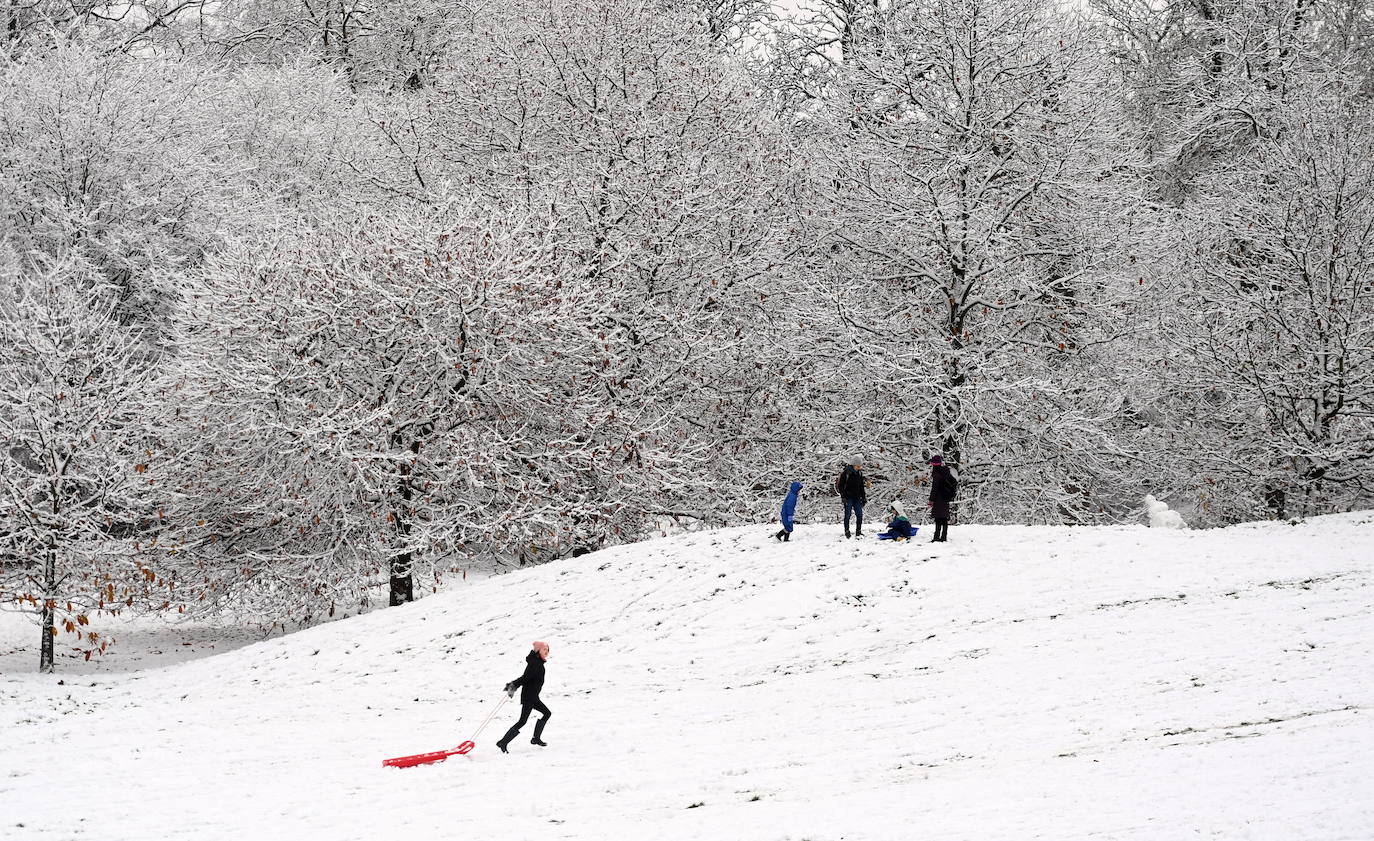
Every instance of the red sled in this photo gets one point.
(427, 758)
(441, 755)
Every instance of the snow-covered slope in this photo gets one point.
(1016, 682)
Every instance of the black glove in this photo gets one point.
(509, 689)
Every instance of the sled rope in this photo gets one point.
(491, 716)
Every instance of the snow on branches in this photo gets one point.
(75, 388)
(309, 308)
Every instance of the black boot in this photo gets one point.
(787, 536)
(539, 732)
(505, 740)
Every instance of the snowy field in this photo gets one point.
(1014, 683)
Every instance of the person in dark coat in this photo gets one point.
(943, 487)
(529, 685)
(853, 494)
(789, 509)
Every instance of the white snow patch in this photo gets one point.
(1161, 516)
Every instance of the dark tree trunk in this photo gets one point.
(402, 582)
(45, 647)
(1277, 501)
(402, 563)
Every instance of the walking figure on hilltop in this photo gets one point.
(943, 487)
(529, 685)
(850, 484)
(789, 509)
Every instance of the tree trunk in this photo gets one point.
(45, 648)
(402, 581)
(1277, 502)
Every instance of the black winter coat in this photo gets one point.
(942, 489)
(851, 485)
(532, 680)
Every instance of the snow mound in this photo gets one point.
(1161, 516)
(1016, 682)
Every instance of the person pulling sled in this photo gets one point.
(529, 685)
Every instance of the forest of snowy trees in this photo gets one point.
(307, 304)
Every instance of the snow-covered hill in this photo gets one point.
(1017, 682)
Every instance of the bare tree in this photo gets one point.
(74, 385)
(971, 174)
(1278, 323)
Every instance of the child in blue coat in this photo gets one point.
(789, 508)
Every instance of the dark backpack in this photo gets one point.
(945, 485)
(850, 483)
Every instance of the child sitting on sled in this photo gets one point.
(900, 528)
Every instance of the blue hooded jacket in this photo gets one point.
(789, 505)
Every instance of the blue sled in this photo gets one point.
(886, 536)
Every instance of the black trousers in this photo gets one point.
(525, 708)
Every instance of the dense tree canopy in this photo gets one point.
(313, 303)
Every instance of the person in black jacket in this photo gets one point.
(853, 494)
(943, 487)
(529, 685)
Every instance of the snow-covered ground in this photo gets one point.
(1014, 683)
